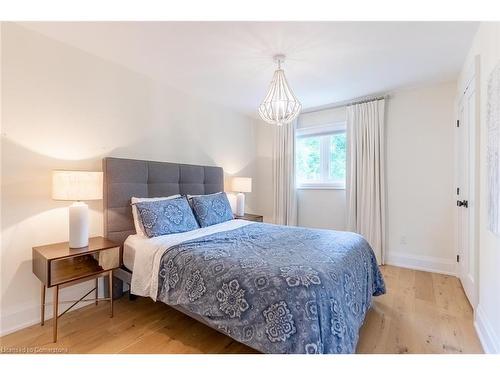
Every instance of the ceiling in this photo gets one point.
(231, 62)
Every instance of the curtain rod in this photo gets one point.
(368, 100)
(346, 103)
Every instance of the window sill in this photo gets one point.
(321, 187)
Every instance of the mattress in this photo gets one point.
(129, 248)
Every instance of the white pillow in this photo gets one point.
(137, 220)
(189, 196)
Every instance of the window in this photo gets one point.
(320, 157)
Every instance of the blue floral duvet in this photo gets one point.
(274, 288)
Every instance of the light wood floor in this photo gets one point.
(421, 313)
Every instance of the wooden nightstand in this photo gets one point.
(251, 217)
(59, 266)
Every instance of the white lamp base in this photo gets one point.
(240, 204)
(78, 225)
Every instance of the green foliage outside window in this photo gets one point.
(338, 157)
(308, 158)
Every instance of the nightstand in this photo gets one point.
(58, 266)
(251, 217)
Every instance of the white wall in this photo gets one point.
(264, 170)
(63, 108)
(419, 132)
(487, 45)
(419, 159)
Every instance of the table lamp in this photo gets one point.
(241, 185)
(77, 186)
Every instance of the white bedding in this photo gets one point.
(147, 252)
(129, 248)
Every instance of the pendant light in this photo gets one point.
(280, 106)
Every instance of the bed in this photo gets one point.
(274, 288)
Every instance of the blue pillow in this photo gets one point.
(211, 209)
(166, 216)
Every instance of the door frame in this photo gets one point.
(471, 77)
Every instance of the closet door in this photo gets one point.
(465, 192)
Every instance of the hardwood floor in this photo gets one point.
(421, 313)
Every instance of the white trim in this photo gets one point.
(7, 328)
(324, 155)
(487, 336)
(28, 314)
(421, 263)
(468, 76)
(323, 132)
(20, 326)
(321, 186)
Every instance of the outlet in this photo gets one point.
(402, 240)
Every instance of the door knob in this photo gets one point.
(463, 203)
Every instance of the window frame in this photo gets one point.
(322, 131)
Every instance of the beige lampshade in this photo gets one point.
(76, 185)
(241, 184)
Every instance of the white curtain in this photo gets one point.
(285, 199)
(365, 173)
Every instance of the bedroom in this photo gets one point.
(367, 142)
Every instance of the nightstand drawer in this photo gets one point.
(70, 268)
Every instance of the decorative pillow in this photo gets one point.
(166, 216)
(211, 209)
(139, 229)
(137, 220)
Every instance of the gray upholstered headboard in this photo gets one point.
(126, 178)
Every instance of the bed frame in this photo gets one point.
(125, 178)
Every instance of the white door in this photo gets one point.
(465, 192)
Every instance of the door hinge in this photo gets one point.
(458, 258)
(458, 123)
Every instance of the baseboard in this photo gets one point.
(18, 327)
(488, 338)
(28, 314)
(24, 318)
(31, 316)
(421, 263)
